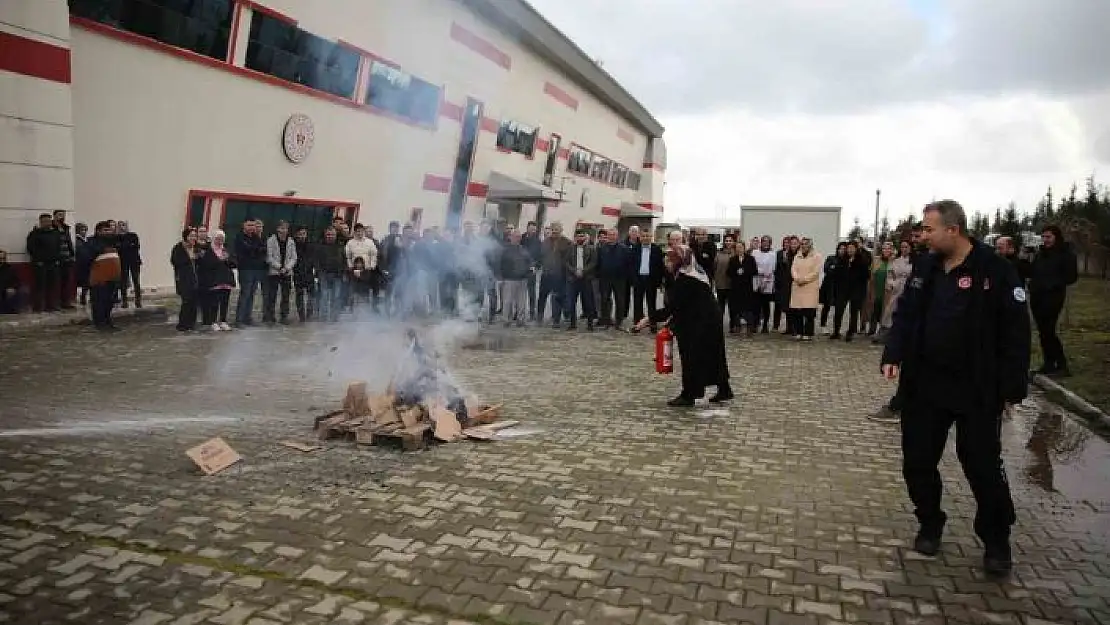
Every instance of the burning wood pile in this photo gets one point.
(421, 405)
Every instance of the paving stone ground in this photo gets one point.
(785, 507)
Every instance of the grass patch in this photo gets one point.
(1085, 332)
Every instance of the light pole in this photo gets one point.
(878, 193)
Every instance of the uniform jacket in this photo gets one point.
(997, 323)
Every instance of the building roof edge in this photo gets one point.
(542, 37)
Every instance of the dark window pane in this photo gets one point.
(281, 49)
(202, 26)
(401, 94)
(196, 211)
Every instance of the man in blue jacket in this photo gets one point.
(960, 342)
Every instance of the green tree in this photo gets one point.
(884, 230)
(904, 230)
(1011, 222)
(856, 233)
(996, 225)
(980, 225)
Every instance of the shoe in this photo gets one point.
(216, 327)
(926, 544)
(124, 304)
(224, 326)
(884, 415)
(797, 337)
(589, 326)
(835, 336)
(807, 338)
(998, 560)
(572, 327)
(682, 401)
(724, 393)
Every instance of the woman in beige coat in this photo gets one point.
(806, 291)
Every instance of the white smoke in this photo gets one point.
(367, 346)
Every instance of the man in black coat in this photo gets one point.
(44, 246)
(130, 261)
(1054, 269)
(531, 242)
(612, 273)
(960, 343)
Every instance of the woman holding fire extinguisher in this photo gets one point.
(692, 315)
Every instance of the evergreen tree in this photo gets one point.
(980, 225)
(1010, 223)
(996, 225)
(856, 233)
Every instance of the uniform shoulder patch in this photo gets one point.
(1019, 295)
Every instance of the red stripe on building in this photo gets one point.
(625, 136)
(651, 207)
(477, 189)
(490, 125)
(439, 184)
(34, 58)
(656, 166)
(451, 110)
(610, 211)
(564, 153)
(481, 46)
(542, 144)
(560, 96)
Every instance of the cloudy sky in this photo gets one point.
(825, 101)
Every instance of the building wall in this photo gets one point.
(152, 123)
(36, 126)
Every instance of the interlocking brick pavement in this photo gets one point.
(785, 507)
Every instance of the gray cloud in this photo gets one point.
(694, 56)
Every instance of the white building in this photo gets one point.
(167, 113)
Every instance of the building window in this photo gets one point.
(633, 181)
(202, 26)
(579, 161)
(280, 49)
(619, 175)
(314, 217)
(600, 168)
(402, 94)
(198, 209)
(516, 137)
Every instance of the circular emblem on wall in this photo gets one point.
(297, 138)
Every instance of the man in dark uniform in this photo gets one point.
(960, 342)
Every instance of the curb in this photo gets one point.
(126, 315)
(1057, 393)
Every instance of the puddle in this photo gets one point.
(1051, 450)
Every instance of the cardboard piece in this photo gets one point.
(412, 416)
(447, 428)
(300, 446)
(213, 456)
(356, 403)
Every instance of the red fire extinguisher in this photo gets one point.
(664, 351)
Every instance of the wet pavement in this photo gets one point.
(785, 507)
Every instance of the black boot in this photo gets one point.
(682, 401)
(724, 393)
(927, 543)
(997, 559)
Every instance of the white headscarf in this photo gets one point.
(687, 265)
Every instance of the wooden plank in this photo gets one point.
(300, 446)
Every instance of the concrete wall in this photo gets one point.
(36, 121)
(153, 123)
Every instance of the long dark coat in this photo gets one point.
(696, 323)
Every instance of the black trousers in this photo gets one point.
(45, 293)
(270, 289)
(728, 308)
(213, 306)
(804, 319)
(102, 296)
(979, 448)
(304, 301)
(532, 295)
(854, 305)
(764, 309)
(449, 296)
(644, 291)
(580, 288)
(130, 274)
(552, 284)
(1046, 307)
(187, 315)
(614, 305)
(825, 308)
